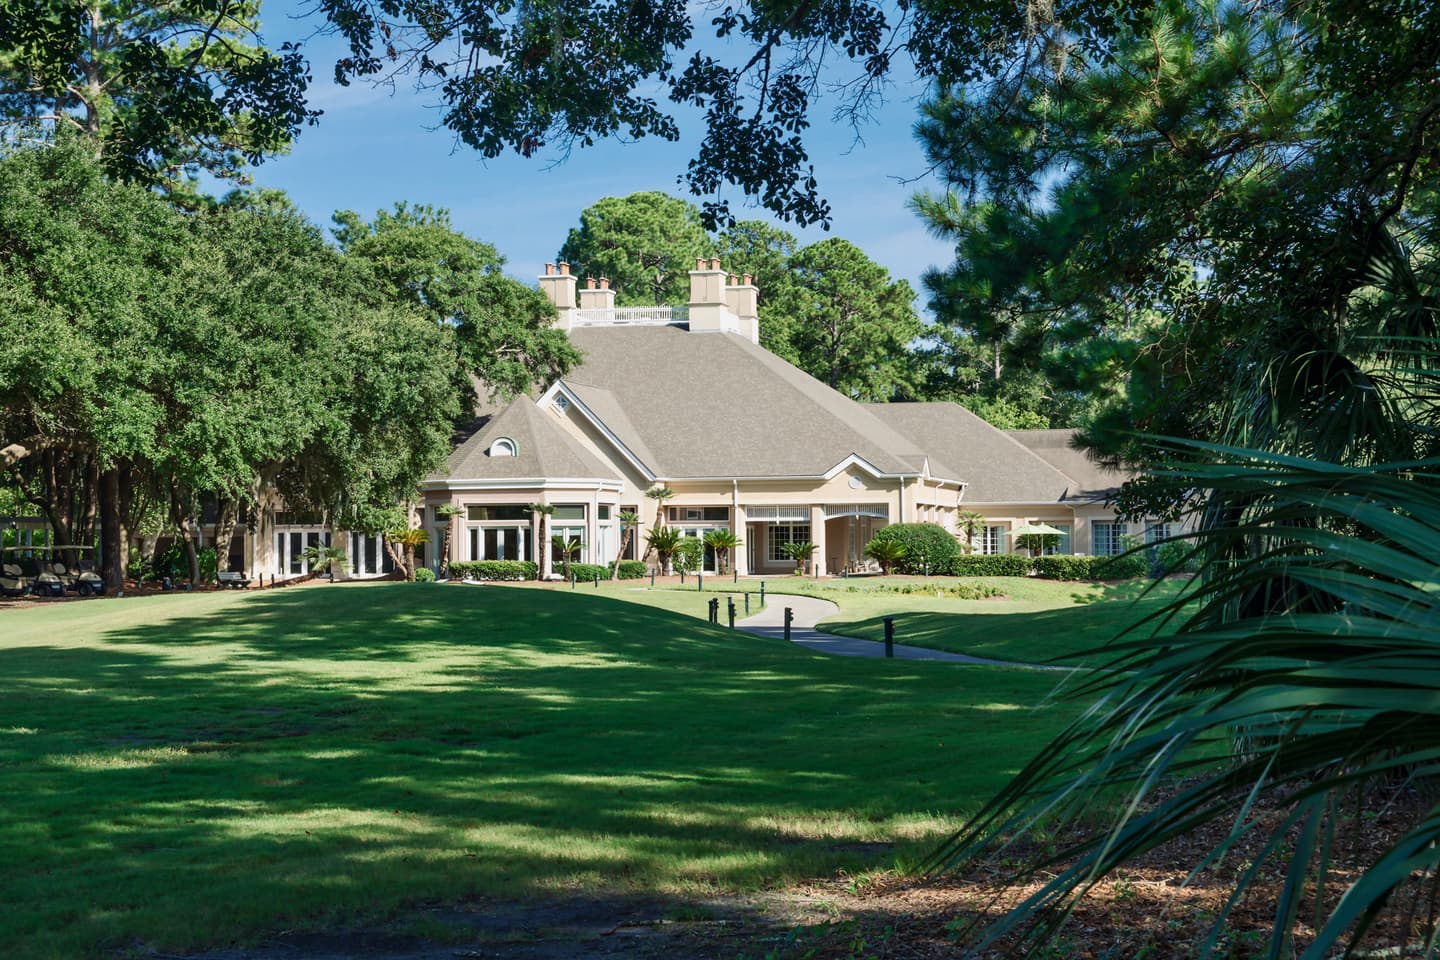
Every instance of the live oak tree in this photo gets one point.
(646, 244)
(165, 91)
(504, 330)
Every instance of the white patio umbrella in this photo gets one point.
(1035, 529)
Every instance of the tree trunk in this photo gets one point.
(445, 549)
(396, 557)
(112, 556)
(624, 545)
(409, 562)
(225, 521)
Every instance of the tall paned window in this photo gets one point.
(1155, 532)
(782, 534)
(569, 524)
(1109, 538)
(993, 541)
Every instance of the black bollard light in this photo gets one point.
(762, 593)
(597, 581)
(572, 579)
(700, 576)
(747, 603)
(735, 575)
(789, 615)
(713, 606)
(889, 636)
(652, 578)
(732, 612)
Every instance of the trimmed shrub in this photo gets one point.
(926, 544)
(424, 575)
(1065, 568)
(587, 572)
(633, 570)
(494, 570)
(687, 556)
(1179, 556)
(989, 565)
(1125, 566)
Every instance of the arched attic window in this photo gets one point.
(503, 447)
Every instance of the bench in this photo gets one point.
(229, 578)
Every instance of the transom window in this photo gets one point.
(480, 513)
(699, 514)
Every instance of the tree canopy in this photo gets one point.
(504, 329)
(166, 91)
(645, 243)
(851, 325)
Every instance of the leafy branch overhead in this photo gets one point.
(549, 76)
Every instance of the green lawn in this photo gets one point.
(1035, 621)
(189, 770)
(1042, 621)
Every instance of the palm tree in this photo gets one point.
(659, 494)
(801, 554)
(629, 519)
(446, 512)
(885, 552)
(327, 557)
(407, 539)
(543, 511)
(722, 541)
(970, 525)
(568, 547)
(663, 540)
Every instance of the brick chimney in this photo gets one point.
(559, 288)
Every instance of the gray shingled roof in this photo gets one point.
(715, 405)
(544, 449)
(996, 466)
(1092, 481)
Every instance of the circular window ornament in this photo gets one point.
(856, 483)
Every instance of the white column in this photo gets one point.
(817, 537)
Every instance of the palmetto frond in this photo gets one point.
(1306, 671)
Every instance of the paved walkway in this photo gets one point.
(809, 611)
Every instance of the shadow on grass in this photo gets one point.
(309, 757)
(1061, 635)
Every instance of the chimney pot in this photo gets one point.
(549, 269)
(604, 283)
(714, 263)
(589, 283)
(699, 263)
(733, 280)
(749, 278)
(564, 269)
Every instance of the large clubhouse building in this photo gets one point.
(686, 398)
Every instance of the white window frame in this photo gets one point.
(1108, 537)
(775, 541)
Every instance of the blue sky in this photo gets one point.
(374, 147)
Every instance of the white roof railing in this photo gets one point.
(630, 317)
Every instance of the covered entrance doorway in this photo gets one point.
(848, 528)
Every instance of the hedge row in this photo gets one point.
(494, 570)
(1055, 567)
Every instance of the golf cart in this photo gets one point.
(81, 578)
(24, 572)
(13, 580)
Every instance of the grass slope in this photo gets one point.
(193, 770)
